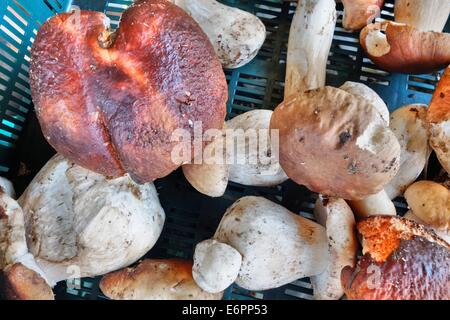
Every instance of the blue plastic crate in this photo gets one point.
(191, 216)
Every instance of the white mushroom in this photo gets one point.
(425, 15)
(337, 217)
(277, 246)
(78, 219)
(216, 265)
(255, 161)
(236, 35)
(309, 44)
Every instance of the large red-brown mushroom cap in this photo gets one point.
(111, 101)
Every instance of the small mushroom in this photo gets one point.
(430, 202)
(216, 265)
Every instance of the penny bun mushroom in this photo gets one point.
(112, 101)
(430, 202)
(397, 47)
(429, 15)
(335, 143)
(337, 217)
(277, 246)
(155, 279)
(410, 127)
(402, 261)
(439, 120)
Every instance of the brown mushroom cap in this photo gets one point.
(335, 143)
(155, 279)
(113, 108)
(403, 261)
(20, 283)
(397, 47)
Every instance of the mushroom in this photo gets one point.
(75, 217)
(359, 13)
(443, 234)
(155, 279)
(337, 217)
(439, 120)
(256, 161)
(397, 47)
(402, 261)
(216, 265)
(410, 127)
(20, 277)
(309, 44)
(21, 283)
(236, 35)
(335, 143)
(430, 202)
(276, 245)
(429, 15)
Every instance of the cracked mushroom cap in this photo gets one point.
(335, 143)
(152, 279)
(402, 261)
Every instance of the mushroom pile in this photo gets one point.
(110, 103)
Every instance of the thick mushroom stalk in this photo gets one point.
(373, 205)
(309, 44)
(337, 217)
(210, 177)
(276, 245)
(439, 120)
(425, 15)
(236, 35)
(359, 13)
(397, 47)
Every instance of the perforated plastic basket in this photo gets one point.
(191, 216)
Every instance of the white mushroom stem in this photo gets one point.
(374, 205)
(337, 217)
(236, 35)
(425, 15)
(309, 44)
(277, 246)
